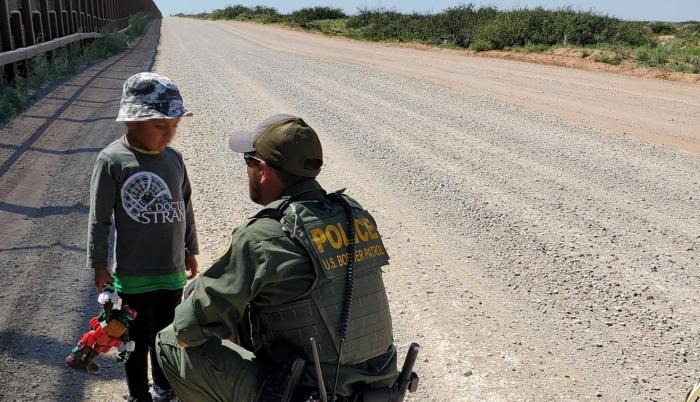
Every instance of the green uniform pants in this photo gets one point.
(215, 371)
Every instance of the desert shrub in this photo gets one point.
(384, 24)
(307, 15)
(679, 55)
(652, 56)
(330, 27)
(138, 23)
(633, 34)
(523, 27)
(241, 12)
(662, 28)
(614, 59)
(688, 28)
(12, 98)
(465, 25)
(457, 25)
(105, 46)
(230, 12)
(481, 46)
(39, 71)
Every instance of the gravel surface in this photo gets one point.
(534, 255)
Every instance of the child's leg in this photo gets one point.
(136, 367)
(164, 315)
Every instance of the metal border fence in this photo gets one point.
(31, 27)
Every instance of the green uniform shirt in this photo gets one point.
(262, 263)
(265, 266)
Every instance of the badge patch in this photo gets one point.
(329, 239)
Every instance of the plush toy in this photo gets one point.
(108, 330)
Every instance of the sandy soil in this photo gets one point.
(542, 221)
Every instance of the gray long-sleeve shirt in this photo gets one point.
(148, 198)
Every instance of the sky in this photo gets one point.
(652, 10)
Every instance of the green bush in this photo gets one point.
(688, 28)
(105, 46)
(633, 33)
(652, 56)
(230, 12)
(39, 71)
(489, 28)
(458, 25)
(12, 99)
(330, 27)
(615, 59)
(307, 15)
(533, 48)
(382, 24)
(243, 13)
(138, 23)
(681, 55)
(662, 28)
(481, 46)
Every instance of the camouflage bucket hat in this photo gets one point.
(148, 96)
(285, 142)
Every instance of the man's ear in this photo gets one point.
(268, 174)
(265, 172)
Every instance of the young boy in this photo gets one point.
(141, 184)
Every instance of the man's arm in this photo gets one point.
(221, 294)
(102, 200)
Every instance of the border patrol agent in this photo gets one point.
(287, 276)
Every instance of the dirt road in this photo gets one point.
(544, 245)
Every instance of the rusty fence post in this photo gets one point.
(44, 14)
(27, 23)
(8, 72)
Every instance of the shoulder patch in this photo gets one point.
(224, 249)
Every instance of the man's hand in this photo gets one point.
(102, 277)
(191, 265)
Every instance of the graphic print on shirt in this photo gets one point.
(147, 199)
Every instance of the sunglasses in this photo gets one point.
(250, 159)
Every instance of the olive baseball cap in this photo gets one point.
(285, 142)
(149, 96)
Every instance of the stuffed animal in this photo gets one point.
(108, 330)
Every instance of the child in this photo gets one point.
(141, 184)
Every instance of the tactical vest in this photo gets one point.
(320, 226)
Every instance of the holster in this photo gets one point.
(280, 386)
(385, 394)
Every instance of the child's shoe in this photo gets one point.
(163, 395)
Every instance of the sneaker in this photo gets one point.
(163, 395)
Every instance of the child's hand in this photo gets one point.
(191, 265)
(102, 277)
